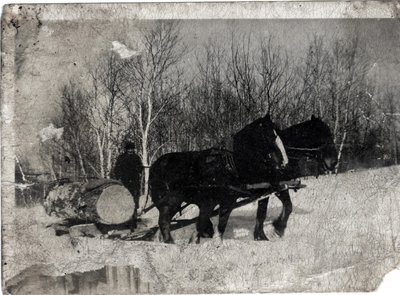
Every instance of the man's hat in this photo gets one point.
(129, 145)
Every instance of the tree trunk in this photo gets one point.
(81, 164)
(101, 157)
(340, 152)
(109, 149)
(145, 163)
(395, 145)
(336, 127)
(109, 159)
(99, 201)
(146, 171)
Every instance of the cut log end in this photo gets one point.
(115, 205)
(98, 201)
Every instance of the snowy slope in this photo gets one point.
(342, 236)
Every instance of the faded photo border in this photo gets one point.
(11, 19)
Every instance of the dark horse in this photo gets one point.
(204, 177)
(312, 139)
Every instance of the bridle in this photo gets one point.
(314, 153)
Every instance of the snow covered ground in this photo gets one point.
(343, 235)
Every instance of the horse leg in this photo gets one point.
(204, 221)
(209, 229)
(167, 210)
(225, 211)
(164, 222)
(281, 222)
(259, 234)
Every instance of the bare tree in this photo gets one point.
(241, 75)
(314, 78)
(261, 77)
(93, 117)
(106, 113)
(145, 98)
(276, 77)
(392, 115)
(152, 82)
(347, 86)
(213, 110)
(77, 136)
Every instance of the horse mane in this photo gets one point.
(252, 148)
(251, 126)
(299, 134)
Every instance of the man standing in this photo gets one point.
(128, 169)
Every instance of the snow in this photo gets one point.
(343, 235)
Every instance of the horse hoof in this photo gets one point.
(279, 232)
(260, 236)
(170, 241)
(279, 229)
(261, 239)
(193, 237)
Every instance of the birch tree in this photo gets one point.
(152, 83)
(106, 113)
(347, 87)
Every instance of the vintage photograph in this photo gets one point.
(200, 148)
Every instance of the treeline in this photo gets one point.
(156, 100)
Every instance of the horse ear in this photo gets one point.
(267, 117)
(313, 117)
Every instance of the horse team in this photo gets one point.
(261, 153)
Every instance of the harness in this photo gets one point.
(267, 139)
(309, 152)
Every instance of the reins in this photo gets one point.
(305, 149)
(308, 151)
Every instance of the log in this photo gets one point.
(96, 201)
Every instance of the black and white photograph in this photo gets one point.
(179, 148)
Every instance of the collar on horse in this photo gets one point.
(309, 152)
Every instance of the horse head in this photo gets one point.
(258, 150)
(312, 138)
